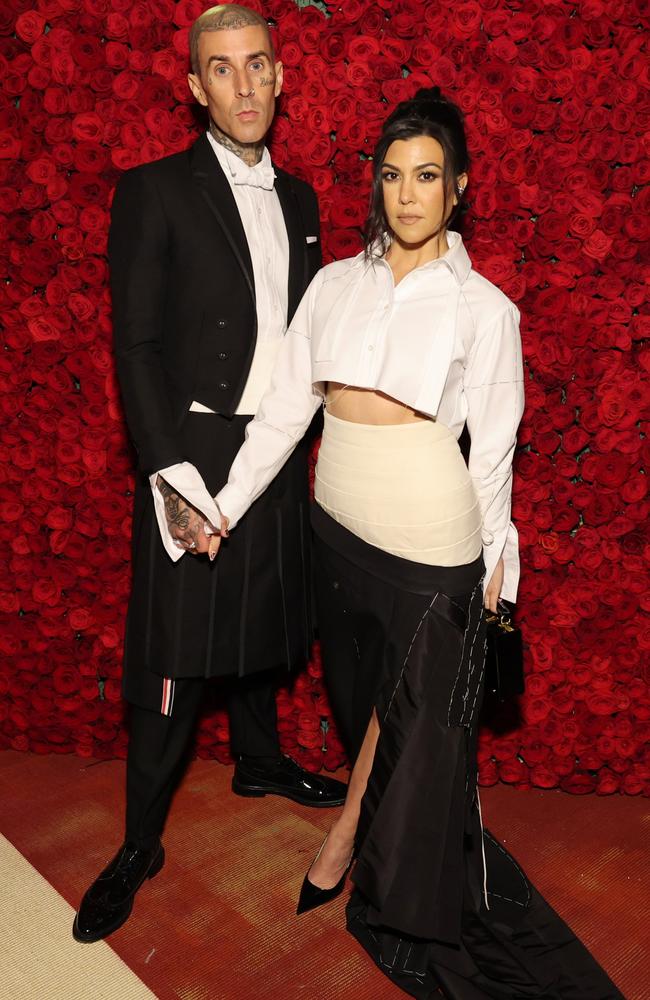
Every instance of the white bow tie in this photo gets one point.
(260, 176)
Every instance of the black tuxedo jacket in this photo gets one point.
(184, 312)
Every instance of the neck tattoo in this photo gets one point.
(249, 152)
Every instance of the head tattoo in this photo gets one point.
(224, 17)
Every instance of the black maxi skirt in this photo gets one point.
(439, 904)
(247, 611)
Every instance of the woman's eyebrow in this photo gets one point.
(420, 166)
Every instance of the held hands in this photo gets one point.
(186, 524)
(215, 540)
(493, 589)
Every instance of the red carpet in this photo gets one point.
(218, 924)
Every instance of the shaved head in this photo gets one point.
(224, 17)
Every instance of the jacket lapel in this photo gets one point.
(298, 262)
(217, 195)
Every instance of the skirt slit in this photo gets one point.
(439, 904)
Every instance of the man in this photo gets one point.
(210, 252)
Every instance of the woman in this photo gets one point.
(406, 344)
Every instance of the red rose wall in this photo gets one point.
(556, 100)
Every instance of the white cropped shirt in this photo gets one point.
(444, 341)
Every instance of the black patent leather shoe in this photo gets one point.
(291, 780)
(312, 895)
(109, 901)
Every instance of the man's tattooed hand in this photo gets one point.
(185, 523)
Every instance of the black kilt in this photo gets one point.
(247, 611)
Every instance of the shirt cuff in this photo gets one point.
(232, 503)
(504, 543)
(188, 483)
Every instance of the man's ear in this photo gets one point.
(195, 85)
(279, 78)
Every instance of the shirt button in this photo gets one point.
(221, 323)
(224, 385)
(223, 355)
(370, 347)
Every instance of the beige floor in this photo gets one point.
(219, 922)
(39, 960)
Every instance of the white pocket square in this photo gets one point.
(311, 239)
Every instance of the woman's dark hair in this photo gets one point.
(428, 113)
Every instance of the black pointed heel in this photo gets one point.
(312, 895)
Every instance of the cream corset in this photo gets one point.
(402, 487)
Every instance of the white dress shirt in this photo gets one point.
(444, 341)
(261, 215)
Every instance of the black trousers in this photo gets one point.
(160, 745)
(232, 621)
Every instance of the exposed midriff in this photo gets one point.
(367, 406)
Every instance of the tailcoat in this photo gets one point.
(185, 328)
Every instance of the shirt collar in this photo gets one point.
(456, 259)
(231, 164)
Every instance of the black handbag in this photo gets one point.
(504, 660)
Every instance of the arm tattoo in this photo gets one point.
(177, 511)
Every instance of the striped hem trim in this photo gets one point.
(168, 690)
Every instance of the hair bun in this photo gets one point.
(429, 94)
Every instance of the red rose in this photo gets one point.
(185, 12)
(63, 67)
(88, 189)
(488, 773)
(87, 52)
(543, 777)
(343, 243)
(165, 64)
(608, 782)
(557, 229)
(633, 785)
(30, 26)
(537, 709)
(513, 771)
(535, 753)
